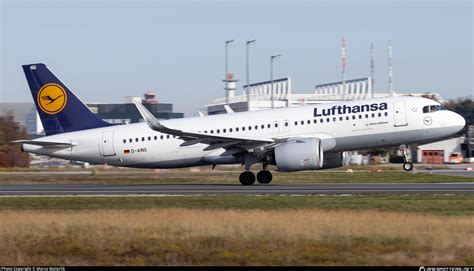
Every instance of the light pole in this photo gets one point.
(247, 70)
(226, 71)
(271, 76)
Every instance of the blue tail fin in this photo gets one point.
(59, 109)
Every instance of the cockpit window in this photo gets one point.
(433, 108)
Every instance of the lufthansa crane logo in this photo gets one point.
(52, 98)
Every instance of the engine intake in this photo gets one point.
(299, 154)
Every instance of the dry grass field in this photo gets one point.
(182, 236)
(230, 176)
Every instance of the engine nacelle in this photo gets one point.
(299, 154)
(332, 160)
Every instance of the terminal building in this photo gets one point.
(259, 96)
(117, 113)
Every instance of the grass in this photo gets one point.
(448, 205)
(182, 236)
(224, 177)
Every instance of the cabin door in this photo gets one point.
(108, 143)
(400, 114)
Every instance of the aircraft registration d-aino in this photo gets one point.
(309, 137)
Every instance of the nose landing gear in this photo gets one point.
(407, 165)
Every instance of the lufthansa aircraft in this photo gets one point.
(296, 138)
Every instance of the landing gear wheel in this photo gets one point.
(407, 166)
(247, 178)
(264, 176)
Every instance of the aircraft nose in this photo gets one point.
(459, 121)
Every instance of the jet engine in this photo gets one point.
(332, 160)
(299, 154)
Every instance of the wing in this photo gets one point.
(233, 145)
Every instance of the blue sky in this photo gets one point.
(105, 50)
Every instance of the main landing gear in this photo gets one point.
(407, 165)
(248, 178)
(263, 176)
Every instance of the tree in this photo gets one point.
(10, 153)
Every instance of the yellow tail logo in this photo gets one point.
(52, 98)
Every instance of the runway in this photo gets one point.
(231, 189)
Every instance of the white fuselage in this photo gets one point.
(136, 145)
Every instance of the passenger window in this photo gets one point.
(218, 131)
(386, 114)
(243, 128)
(340, 118)
(230, 130)
(136, 139)
(269, 126)
(366, 116)
(205, 131)
(276, 125)
(286, 123)
(321, 120)
(328, 120)
(426, 109)
(149, 138)
(315, 121)
(360, 116)
(309, 122)
(167, 136)
(353, 117)
(212, 131)
(124, 141)
(373, 115)
(334, 119)
(347, 117)
(224, 130)
(161, 137)
(155, 138)
(380, 114)
(250, 128)
(130, 140)
(262, 126)
(296, 123)
(302, 122)
(256, 127)
(236, 129)
(143, 139)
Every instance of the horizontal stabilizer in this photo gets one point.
(46, 143)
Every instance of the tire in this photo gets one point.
(408, 166)
(264, 176)
(247, 178)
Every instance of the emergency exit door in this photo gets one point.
(400, 114)
(108, 143)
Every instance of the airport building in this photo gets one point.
(117, 113)
(259, 96)
(127, 112)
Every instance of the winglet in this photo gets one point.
(228, 109)
(152, 122)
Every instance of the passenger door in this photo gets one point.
(399, 111)
(108, 143)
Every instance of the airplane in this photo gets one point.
(311, 137)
